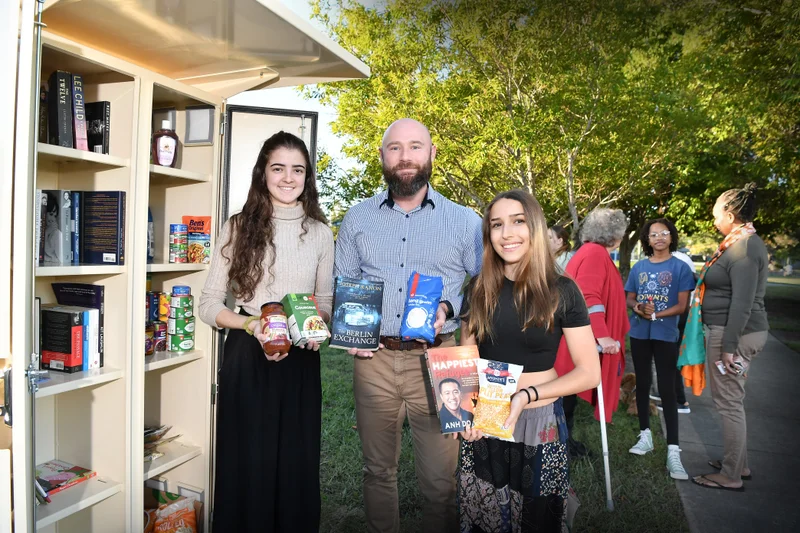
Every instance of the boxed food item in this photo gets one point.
(199, 239)
(498, 382)
(303, 319)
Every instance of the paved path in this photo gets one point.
(771, 500)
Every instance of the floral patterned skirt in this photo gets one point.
(515, 487)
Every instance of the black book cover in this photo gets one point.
(84, 295)
(62, 338)
(59, 109)
(43, 114)
(356, 321)
(98, 124)
(103, 227)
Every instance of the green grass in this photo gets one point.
(645, 497)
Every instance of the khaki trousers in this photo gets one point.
(388, 387)
(728, 393)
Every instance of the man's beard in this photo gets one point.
(405, 187)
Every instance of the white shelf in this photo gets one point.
(175, 454)
(176, 267)
(167, 359)
(60, 154)
(79, 270)
(71, 500)
(60, 382)
(177, 173)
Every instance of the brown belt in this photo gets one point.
(396, 343)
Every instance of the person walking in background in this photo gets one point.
(560, 246)
(731, 297)
(518, 310)
(409, 227)
(658, 290)
(269, 407)
(601, 284)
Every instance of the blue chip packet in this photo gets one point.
(422, 301)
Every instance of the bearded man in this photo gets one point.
(407, 227)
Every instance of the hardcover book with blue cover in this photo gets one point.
(356, 320)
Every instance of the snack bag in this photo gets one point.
(498, 381)
(176, 517)
(422, 301)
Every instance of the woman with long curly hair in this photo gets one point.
(517, 310)
(269, 407)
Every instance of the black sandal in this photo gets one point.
(718, 465)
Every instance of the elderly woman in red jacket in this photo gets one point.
(601, 284)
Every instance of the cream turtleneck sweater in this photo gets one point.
(300, 266)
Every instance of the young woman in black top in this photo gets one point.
(517, 310)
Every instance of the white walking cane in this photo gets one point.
(604, 438)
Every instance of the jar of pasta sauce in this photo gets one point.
(275, 327)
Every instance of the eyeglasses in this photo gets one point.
(656, 235)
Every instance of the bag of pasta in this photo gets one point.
(178, 517)
(498, 381)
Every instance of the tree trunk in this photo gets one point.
(625, 249)
(570, 176)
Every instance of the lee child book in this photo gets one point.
(79, 113)
(356, 321)
(454, 377)
(59, 109)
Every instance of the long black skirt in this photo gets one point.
(268, 440)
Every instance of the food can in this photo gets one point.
(152, 306)
(180, 326)
(178, 234)
(184, 302)
(178, 254)
(148, 283)
(160, 335)
(181, 290)
(163, 306)
(149, 339)
(180, 312)
(180, 343)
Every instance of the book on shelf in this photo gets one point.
(42, 137)
(78, 113)
(98, 125)
(102, 230)
(56, 234)
(55, 476)
(59, 109)
(39, 224)
(85, 295)
(74, 227)
(454, 378)
(62, 333)
(356, 319)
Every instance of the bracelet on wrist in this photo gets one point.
(247, 322)
(528, 394)
(535, 391)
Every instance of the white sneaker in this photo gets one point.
(645, 443)
(674, 465)
(655, 397)
(682, 409)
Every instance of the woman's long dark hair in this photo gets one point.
(252, 231)
(562, 234)
(536, 294)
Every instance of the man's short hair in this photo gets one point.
(449, 380)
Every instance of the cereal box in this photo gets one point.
(199, 239)
(303, 319)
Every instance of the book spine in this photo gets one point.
(121, 227)
(93, 353)
(43, 138)
(37, 227)
(79, 113)
(74, 227)
(65, 213)
(101, 304)
(106, 126)
(86, 354)
(60, 109)
(72, 482)
(42, 224)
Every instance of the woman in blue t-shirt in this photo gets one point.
(657, 291)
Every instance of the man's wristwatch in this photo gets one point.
(449, 313)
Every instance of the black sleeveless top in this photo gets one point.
(535, 348)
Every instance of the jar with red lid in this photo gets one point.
(274, 326)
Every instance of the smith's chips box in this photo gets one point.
(303, 319)
(62, 338)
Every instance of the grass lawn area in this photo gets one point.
(783, 302)
(645, 497)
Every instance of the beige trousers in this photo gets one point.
(728, 393)
(388, 387)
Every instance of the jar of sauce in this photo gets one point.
(275, 327)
